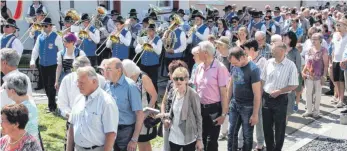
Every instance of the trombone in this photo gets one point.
(34, 25)
(84, 33)
(147, 46)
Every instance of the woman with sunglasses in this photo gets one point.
(66, 57)
(185, 122)
(222, 28)
(270, 28)
(235, 26)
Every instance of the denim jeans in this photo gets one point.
(240, 115)
(274, 113)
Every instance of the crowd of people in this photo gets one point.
(227, 75)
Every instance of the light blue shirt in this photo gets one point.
(128, 98)
(32, 126)
(92, 117)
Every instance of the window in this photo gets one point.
(166, 6)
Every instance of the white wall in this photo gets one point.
(141, 7)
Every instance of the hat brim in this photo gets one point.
(200, 16)
(118, 21)
(220, 42)
(12, 25)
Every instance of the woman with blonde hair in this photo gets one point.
(242, 35)
(185, 121)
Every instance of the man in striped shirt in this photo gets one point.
(279, 77)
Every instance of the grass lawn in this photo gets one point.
(53, 129)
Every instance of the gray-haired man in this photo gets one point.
(9, 62)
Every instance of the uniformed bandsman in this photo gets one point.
(185, 26)
(114, 14)
(40, 15)
(177, 53)
(89, 44)
(47, 45)
(106, 29)
(120, 49)
(201, 32)
(278, 20)
(9, 39)
(134, 27)
(256, 24)
(35, 7)
(150, 59)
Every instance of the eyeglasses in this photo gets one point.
(179, 78)
(234, 22)
(267, 19)
(7, 26)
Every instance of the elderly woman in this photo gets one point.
(276, 38)
(290, 39)
(66, 57)
(16, 87)
(185, 120)
(195, 52)
(14, 118)
(223, 45)
(168, 97)
(314, 73)
(242, 34)
(145, 85)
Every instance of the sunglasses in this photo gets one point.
(233, 21)
(267, 19)
(178, 78)
(210, 21)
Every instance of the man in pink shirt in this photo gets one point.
(211, 80)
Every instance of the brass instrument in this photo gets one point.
(84, 33)
(170, 37)
(192, 30)
(74, 15)
(100, 12)
(147, 46)
(155, 9)
(36, 26)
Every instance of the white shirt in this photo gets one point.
(69, 91)
(16, 45)
(202, 37)
(339, 46)
(124, 40)
(92, 117)
(5, 100)
(67, 56)
(157, 48)
(35, 53)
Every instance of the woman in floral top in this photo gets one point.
(14, 119)
(314, 73)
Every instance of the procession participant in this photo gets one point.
(9, 39)
(211, 25)
(66, 57)
(199, 33)
(145, 85)
(222, 29)
(34, 33)
(47, 45)
(242, 35)
(91, 127)
(256, 24)
(107, 28)
(263, 47)
(270, 28)
(134, 28)
(5, 13)
(275, 96)
(222, 46)
(180, 45)
(213, 94)
(120, 49)
(277, 19)
(128, 99)
(35, 7)
(185, 26)
(235, 26)
(89, 44)
(69, 91)
(114, 14)
(68, 22)
(150, 59)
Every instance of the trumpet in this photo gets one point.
(192, 30)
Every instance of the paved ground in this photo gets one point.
(299, 132)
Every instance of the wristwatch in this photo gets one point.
(224, 115)
(134, 140)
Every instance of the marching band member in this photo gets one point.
(134, 27)
(105, 31)
(46, 47)
(150, 59)
(177, 53)
(9, 39)
(185, 26)
(114, 14)
(227, 12)
(120, 49)
(199, 33)
(235, 26)
(211, 25)
(65, 58)
(256, 24)
(270, 28)
(68, 22)
(40, 15)
(35, 7)
(222, 28)
(88, 44)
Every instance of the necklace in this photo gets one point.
(17, 140)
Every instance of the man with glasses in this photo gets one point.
(46, 47)
(279, 77)
(128, 99)
(264, 48)
(9, 39)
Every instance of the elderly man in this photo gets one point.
(94, 118)
(128, 98)
(245, 89)
(276, 38)
(279, 78)
(9, 61)
(69, 91)
(211, 79)
(264, 48)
